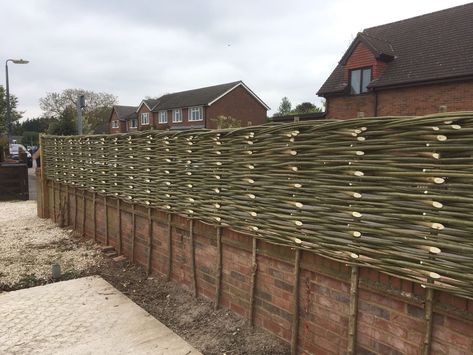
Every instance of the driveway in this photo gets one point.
(81, 316)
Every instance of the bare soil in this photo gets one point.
(210, 331)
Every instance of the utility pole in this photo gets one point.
(8, 117)
(80, 104)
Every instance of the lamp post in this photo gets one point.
(8, 117)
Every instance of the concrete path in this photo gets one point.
(82, 316)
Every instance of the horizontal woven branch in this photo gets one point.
(395, 194)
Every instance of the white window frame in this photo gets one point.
(115, 124)
(195, 113)
(177, 115)
(163, 117)
(145, 118)
(130, 123)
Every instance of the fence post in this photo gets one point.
(133, 232)
(84, 211)
(119, 234)
(150, 242)
(219, 268)
(428, 317)
(352, 317)
(44, 181)
(169, 268)
(94, 218)
(193, 272)
(295, 304)
(254, 269)
(106, 218)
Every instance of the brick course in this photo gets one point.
(390, 317)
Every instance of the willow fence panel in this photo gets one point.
(390, 193)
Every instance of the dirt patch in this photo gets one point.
(211, 331)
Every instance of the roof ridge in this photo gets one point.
(201, 88)
(418, 16)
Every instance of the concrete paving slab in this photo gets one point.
(82, 316)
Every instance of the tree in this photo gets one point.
(14, 113)
(306, 107)
(39, 125)
(284, 108)
(65, 125)
(95, 114)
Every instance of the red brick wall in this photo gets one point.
(409, 101)
(143, 109)
(422, 100)
(341, 107)
(390, 318)
(362, 57)
(238, 104)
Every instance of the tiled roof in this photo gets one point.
(430, 47)
(196, 97)
(125, 112)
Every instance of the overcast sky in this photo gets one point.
(134, 49)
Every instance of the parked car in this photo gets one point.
(15, 153)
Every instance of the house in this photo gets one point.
(415, 66)
(196, 109)
(120, 118)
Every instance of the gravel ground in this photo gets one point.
(30, 245)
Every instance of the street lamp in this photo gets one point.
(8, 118)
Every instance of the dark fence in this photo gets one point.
(393, 194)
(13, 182)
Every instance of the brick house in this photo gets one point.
(411, 67)
(196, 108)
(120, 116)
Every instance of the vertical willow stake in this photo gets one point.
(119, 232)
(106, 219)
(193, 273)
(352, 317)
(75, 209)
(93, 216)
(54, 202)
(254, 268)
(150, 242)
(133, 232)
(428, 317)
(219, 268)
(169, 268)
(84, 212)
(295, 304)
(44, 180)
(68, 222)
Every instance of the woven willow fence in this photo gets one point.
(394, 194)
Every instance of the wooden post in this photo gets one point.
(94, 218)
(119, 234)
(428, 317)
(44, 180)
(169, 268)
(75, 209)
(295, 304)
(254, 268)
(352, 317)
(54, 202)
(106, 219)
(67, 218)
(133, 232)
(150, 242)
(193, 272)
(84, 212)
(218, 286)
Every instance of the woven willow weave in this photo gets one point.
(395, 194)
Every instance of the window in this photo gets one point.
(145, 118)
(163, 117)
(177, 115)
(115, 124)
(133, 123)
(195, 114)
(359, 80)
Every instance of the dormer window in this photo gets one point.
(359, 80)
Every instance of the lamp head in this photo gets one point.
(20, 61)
